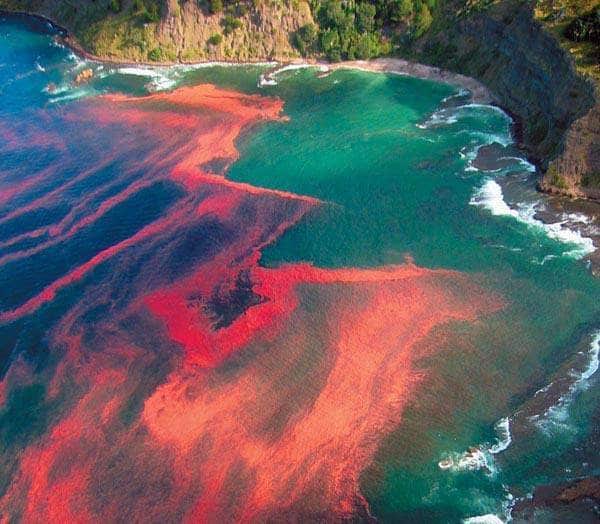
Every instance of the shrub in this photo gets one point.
(365, 17)
(423, 20)
(585, 28)
(216, 6)
(331, 45)
(591, 180)
(556, 179)
(115, 6)
(305, 39)
(400, 10)
(230, 24)
(215, 39)
(156, 54)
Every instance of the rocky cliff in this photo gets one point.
(175, 30)
(263, 32)
(533, 78)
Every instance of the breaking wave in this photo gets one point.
(490, 197)
(556, 416)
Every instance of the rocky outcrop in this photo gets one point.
(576, 172)
(577, 499)
(83, 77)
(532, 77)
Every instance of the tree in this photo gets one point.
(216, 6)
(423, 20)
(330, 44)
(332, 15)
(367, 46)
(215, 39)
(115, 6)
(305, 39)
(400, 10)
(230, 24)
(365, 17)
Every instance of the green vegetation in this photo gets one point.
(591, 180)
(576, 24)
(556, 179)
(585, 28)
(349, 30)
(215, 39)
(230, 24)
(115, 6)
(162, 54)
(215, 6)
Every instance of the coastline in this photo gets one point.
(479, 93)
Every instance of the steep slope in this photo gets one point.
(533, 77)
(174, 30)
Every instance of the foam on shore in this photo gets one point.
(556, 416)
(490, 518)
(490, 197)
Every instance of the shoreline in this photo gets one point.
(479, 93)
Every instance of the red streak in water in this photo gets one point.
(278, 411)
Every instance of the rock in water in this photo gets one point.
(83, 77)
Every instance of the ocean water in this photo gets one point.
(317, 295)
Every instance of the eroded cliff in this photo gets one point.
(533, 77)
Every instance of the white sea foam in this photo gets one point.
(504, 436)
(461, 92)
(486, 139)
(451, 115)
(489, 196)
(270, 79)
(556, 416)
(528, 166)
(162, 78)
(138, 71)
(72, 94)
(490, 518)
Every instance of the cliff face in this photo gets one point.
(576, 172)
(264, 32)
(174, 30)
(532, 77)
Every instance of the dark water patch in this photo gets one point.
(226, 304)
(119, 223)
(197, 242)
(24, 416)
(35, 23)
(32, 220)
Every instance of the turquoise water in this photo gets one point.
(394, 189)
(392, 160)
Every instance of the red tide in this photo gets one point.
(380, 321)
